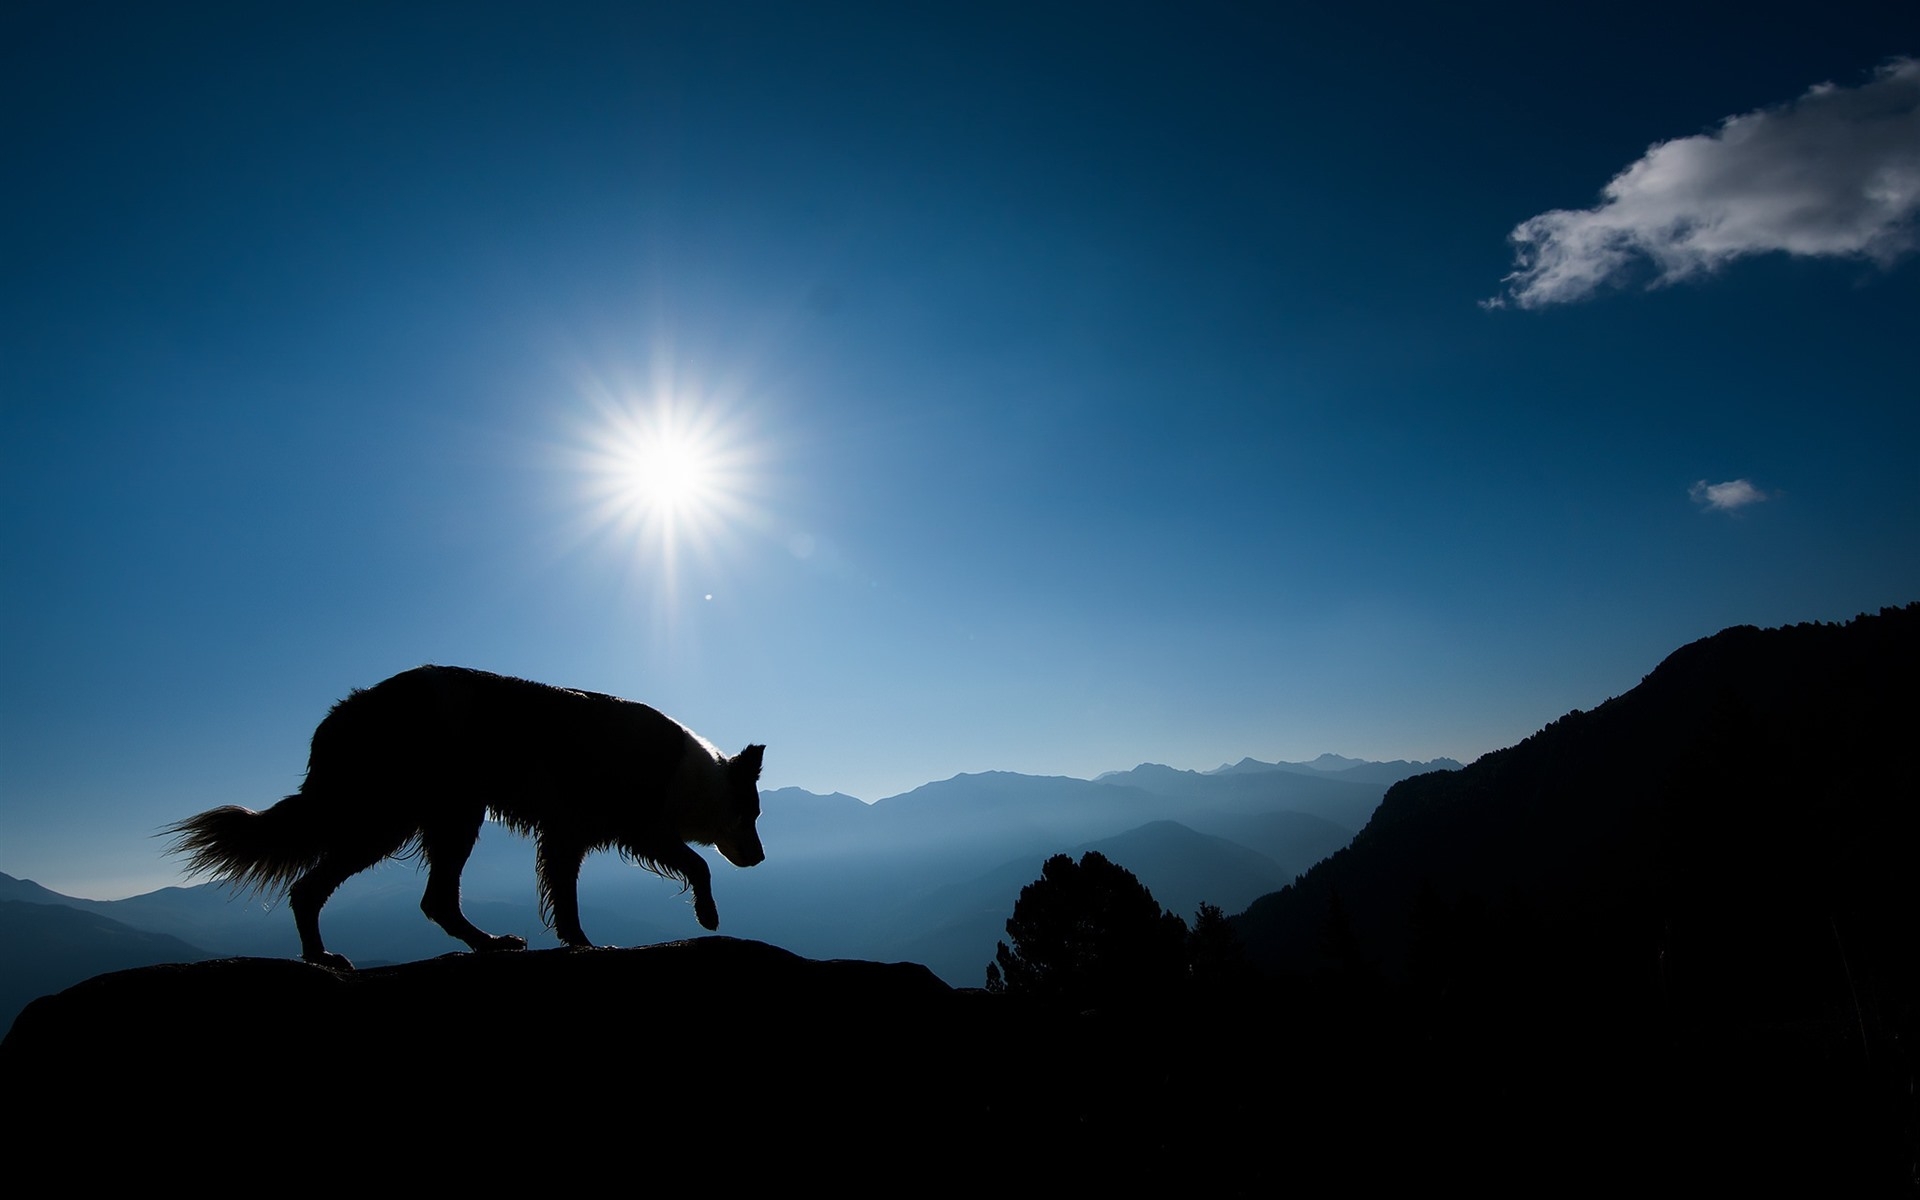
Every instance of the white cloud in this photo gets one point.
(1731, 496)
(1835, 173)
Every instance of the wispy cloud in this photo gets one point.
(1731, 496)
(1835, 173)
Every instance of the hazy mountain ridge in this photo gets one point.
(49, 946)
(1353, 770)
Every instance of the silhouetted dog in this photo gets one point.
(417, 762)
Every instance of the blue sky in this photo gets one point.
(1067, 386)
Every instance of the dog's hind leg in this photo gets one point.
(446, 846)
(309, 894)
(558, 866)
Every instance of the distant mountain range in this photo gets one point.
(1354, 770)
(930, 875)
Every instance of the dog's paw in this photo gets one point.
(705, 912)
(327, 958)
(503, 941)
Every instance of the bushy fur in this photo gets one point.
(416, 763)
(253, 851)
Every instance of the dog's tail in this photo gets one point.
(253, 851)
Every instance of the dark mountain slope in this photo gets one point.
(1713, 871)
(1753, 772)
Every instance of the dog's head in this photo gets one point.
(736, 836)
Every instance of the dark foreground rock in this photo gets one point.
(737, 1062)
(730, 1057)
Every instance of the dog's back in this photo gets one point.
(438, 740)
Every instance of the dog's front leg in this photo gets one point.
(686, 862)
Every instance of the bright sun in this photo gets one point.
(670, 473)
(667, 478)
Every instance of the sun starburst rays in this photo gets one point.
(668, 484)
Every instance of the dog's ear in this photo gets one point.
(749, 759)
